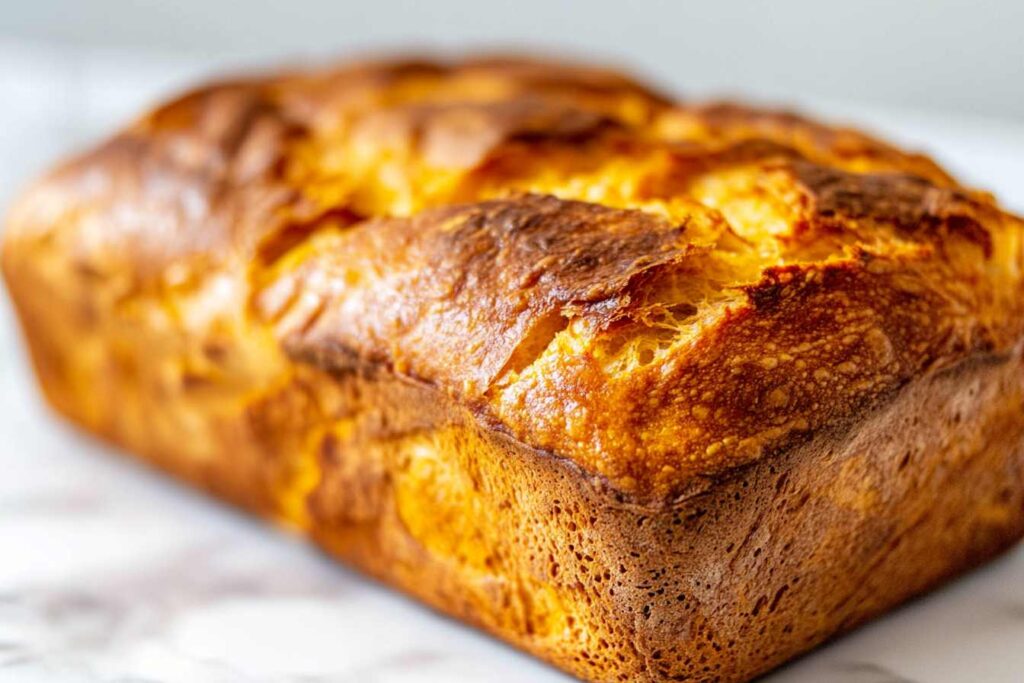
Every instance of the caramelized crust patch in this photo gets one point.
(907, 203)
(494, 281)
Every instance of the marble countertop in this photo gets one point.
(109, 572)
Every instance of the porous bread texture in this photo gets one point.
(654, 390)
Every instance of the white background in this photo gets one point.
(951, 55)
(110, 573)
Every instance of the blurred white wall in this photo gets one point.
(952, 55)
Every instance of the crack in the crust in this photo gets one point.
(284, 239)
(534, 343)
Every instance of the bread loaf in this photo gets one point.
(650, 389)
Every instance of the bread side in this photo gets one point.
(648, 389)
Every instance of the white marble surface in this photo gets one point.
(108, 572)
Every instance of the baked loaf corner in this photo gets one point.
(654, 390)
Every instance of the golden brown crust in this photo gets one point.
(268, 166)
(486, 280)
(549, 350)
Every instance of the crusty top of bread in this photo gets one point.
(657, 291)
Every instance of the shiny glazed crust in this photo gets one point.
(653, 390)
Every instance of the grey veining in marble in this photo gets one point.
(109, 572)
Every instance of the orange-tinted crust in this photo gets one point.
(653, 390)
